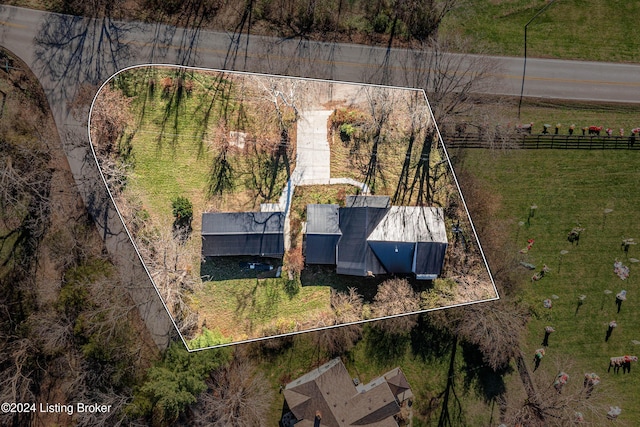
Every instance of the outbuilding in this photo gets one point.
(243, 233)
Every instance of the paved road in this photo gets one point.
(76, 49)
(65, 52)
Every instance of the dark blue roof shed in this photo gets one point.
(243, 233)
(411, 239)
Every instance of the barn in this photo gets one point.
(243, 233)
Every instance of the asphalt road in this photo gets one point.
(75, 49)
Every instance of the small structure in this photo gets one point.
(243, 233)
(328, 396)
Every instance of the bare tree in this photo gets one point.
(347, 305)
(395, 297)
(495, 327)
(238, 395)
(288, 97)
(16, 376)
(347, 308)
(109, 118)
(560, 405)
(168, 260)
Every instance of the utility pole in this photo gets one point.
(524, 70)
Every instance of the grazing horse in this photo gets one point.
(621, 361)
(595, 130)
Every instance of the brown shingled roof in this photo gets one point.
(330, 391)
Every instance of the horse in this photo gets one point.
(621, 361)
(595, 130)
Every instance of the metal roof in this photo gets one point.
(411, 224)
(368, 201)
(228, 223)
(323, 219)
(355, 257)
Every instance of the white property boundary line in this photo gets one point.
(299, 78)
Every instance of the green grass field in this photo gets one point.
(570, 188)
(599, 30)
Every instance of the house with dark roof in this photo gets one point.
(328, 397)
(243, 233)
(373, 238)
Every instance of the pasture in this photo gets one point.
(564, 30)
(595, 190)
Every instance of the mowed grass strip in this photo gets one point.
(600, 30)
(573, 188)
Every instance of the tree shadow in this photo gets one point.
(429, 341)
(70, 50)
(487, 382)
(451, 415)
(238, 267)
(384, 347)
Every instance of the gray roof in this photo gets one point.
(323, 219)
(411, 224)
(227, 223)
(355, 256)
(368, 201)
(243, 233)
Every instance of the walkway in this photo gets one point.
(313, 157)
(313, 162)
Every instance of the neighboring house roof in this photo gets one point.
(398, 384)
(330, 391)
(243, 233)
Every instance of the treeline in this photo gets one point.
(68, 332)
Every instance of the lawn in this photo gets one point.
(573, 188)
(248, 308)
(566, 29)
